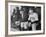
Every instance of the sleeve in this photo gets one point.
(36, 16)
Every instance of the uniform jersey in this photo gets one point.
(33, 17)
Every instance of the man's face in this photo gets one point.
(21, 12)
(30, 11)
(15, 11)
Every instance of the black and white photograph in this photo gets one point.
(24, 18)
